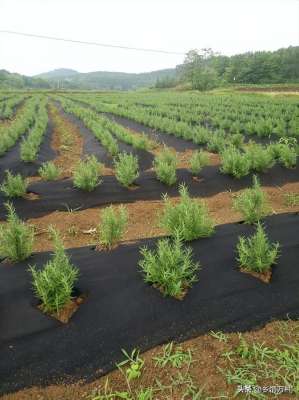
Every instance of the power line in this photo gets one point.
(92, 43)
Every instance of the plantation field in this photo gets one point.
(149, 245)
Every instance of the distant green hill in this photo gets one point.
(10, 80)
(70, 79)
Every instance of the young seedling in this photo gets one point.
(198, 160)
(190, 217)
(135, 364)
(16, 237)
(165, 166)
(252, 203)
(48, 171)
(260, 158)
(169, 267)
(14, 185)
(112, 226)
(53, 285)
(87, 174)
(256, 254)
(126, 168)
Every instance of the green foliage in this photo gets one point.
(87, 174)
(235, 163)
(135, 364)
(169, 267)
(112, 226)
(256, 253)
(54, 284)
(176, 357)
(189, 217)
(165, 166)
(16, 237)
(198, 160)
(252, 203)
(48, 171)
(260, 158)
(126, 168)
(291, 199)
(14, 185)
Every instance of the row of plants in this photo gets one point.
(8, 106)
(23, 121)
(169, 266)
(251, 114)
(30, 145)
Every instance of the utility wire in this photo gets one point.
(92, 43)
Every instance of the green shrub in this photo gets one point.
(112, 226)
(287, 156)
(260, 158)
(189, 217)
(252, 203)
(126, 168)
(87, 174)
(48, 171)
(256, 253)
(169, 267)
(14, 185)
(198, 160)
(165, 166)
(16, 237)
(234, 162)
(54, 284)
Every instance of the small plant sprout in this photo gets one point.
(87, 174)
(134, 365)
(14, 185)
(49, 171)
(198, 160)
(16, 237)
(256, 253)
(165, 164)
(112, 227)
(252, 203)
(176, 357)
(190, 217)
(126, 168)
(169, 267)
(54, 284)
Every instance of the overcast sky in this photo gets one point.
(228, 26)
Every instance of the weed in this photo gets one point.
(175, 356)
(16, 237)
(291, 199)
(135, 364)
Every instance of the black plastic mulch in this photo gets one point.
(123, 312)
(61, 195)
(92, 146)
(12, 160)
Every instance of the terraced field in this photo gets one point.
(173, 217)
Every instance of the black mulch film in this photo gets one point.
(61, 195)
(123, 312)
